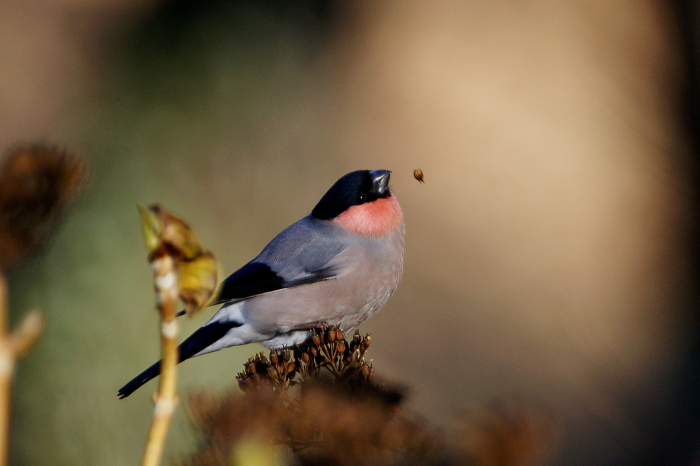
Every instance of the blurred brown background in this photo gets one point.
(550, 254)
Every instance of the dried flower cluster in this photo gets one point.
(338, 415)
(327, 350)
(37, 182)
(505, 433)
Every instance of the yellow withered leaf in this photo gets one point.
(150, 226)
(161, 228)
(198, 270)
(177, 234)
(198, 280)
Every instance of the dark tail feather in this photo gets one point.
(139, 380)
(195, 343)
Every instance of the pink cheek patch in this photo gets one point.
(375, 218)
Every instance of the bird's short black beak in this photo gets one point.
(380, 182)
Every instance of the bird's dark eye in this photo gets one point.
(362, 197)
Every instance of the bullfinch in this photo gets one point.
(336, 266)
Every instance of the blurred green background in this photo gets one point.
(549, 254)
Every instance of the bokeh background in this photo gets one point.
(550, 254)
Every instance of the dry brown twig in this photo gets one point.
(12, 347)
(36, 183)
(181, 269)
(164, 277)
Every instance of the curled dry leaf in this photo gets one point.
(177, 235)
(198, 280)
(198, 270)
(150, 227)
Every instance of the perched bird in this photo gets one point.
(336, 266)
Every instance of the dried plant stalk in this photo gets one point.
(183, 270)
(6, 368)
(37, 182)
(165, 279)
(12, 347)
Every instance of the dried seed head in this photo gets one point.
(244, 384)
(316, 339)
(365, 344)
(418, 175)
(286, 355)
(365, 371)
(37, 182)
(291, 367)
(356, 339)
(341, 347)
(273, 357)
(305, 358)
(356, 355)
(331, 336)
(314, 352)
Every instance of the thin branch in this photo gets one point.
(37, 182)
(7, 362)
(12, 347)
(182, 270)
(27, 334)
(165, 278)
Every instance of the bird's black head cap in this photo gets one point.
(355, 188)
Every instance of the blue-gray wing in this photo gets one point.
(304, 253)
